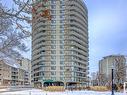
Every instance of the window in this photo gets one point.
(53, 21)
(53, 78)
(61, 36)
(62, 16)
(61, 31)
(61, 21)
(61, 73)
(53, 62)
(61, 68)
(53, 52)
(53, 36)
(62, 11)
(53, 16)
(61, 1)
(53, 67)
(61, 46)
(53, 26)
(61, 62)
(53, 57)
(62, 6)
(61, 51)
(61, 78)
(53, 41)
(53, 6)
(43, 58)
(61, 42)
(62, 26)
(53, 31)
(61, 56)
(53, 47)
(53, 12)
(53, 73)
(53, 2)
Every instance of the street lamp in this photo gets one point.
(112, 80)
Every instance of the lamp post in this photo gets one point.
(112, 81)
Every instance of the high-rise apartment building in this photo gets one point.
(60, 41)
(115, 62)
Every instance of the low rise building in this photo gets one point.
(12, 72)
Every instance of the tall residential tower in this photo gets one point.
(60, 41)
(116, 62)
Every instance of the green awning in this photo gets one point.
(48, 80)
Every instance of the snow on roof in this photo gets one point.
(11, 62)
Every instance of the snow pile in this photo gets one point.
(40, 92)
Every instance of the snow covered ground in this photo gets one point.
(40, 92)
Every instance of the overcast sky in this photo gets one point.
(107, 29)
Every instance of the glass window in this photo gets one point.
(61, 31)
(53, 11)
(61, 51)
(53, 2)
(53, 31)
(61, 56)
(61, 46)
(53, 41)
(61, 21)
(53, 73)
(61, 78)
(61, 42)
(53, 47)
(61, 73)
(62, 6)
(62, 16)
(53, 78)
(53, 62)
(53, 36)
(53, 67)
(53, 6)
(62, 11)
(53, 52)
(61, 36)
(61, 26)
(53, 26)
(61, 67)
(61, 1)
(53, 57)
(53, 16)
(61, 62)
(53, 21)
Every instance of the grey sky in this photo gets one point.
(107, 29)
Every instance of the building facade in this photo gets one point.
(60, 43)
(25, 64)
(115, 62)
(13, 74)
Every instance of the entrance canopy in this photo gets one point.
(53, 83)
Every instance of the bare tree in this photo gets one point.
(15, 25)
(120, 69)
(14, 22)
(102, 79)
